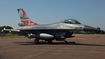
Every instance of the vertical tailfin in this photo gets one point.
(25, 20)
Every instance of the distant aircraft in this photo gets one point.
(48, 32)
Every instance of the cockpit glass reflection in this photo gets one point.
(71, 21)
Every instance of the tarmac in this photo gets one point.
(79, 47)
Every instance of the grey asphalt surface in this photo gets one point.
(80, 47)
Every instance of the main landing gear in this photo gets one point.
(50, 41)
(36, 41)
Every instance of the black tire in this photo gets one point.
(49, 41)
(36, 41)
(65, 42)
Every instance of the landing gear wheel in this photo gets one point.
(49, 41)
(36, 41)
(65, 42)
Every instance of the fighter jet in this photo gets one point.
(57, 31)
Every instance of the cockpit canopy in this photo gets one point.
(71, 21)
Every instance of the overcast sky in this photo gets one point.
(89, 12)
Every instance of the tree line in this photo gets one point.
(90, 32)
(6, 27)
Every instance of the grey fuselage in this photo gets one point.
(55, 26)
(56, 30)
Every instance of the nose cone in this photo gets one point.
(89, 28)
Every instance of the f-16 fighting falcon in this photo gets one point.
(57, 31)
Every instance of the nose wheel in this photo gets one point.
(65, 42)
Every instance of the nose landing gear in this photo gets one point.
(65, 42)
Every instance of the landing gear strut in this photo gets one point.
(49, 41)
(36, 41)
(65, 42)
